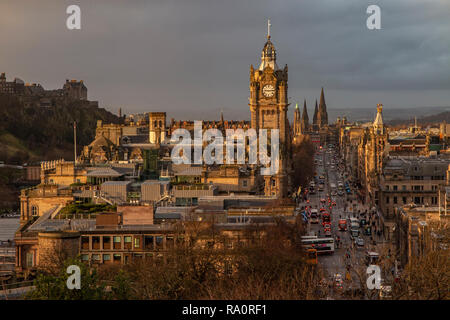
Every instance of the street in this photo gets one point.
(348, 259)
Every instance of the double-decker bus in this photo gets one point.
(326, 218)
(322, 245)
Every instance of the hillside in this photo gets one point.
(36, 133)
(426, 120)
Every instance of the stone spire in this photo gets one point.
(316, 117)
(305, 119)
(323, 114)
(378, 124)
(297, 125)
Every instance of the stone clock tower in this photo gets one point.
(268, 105)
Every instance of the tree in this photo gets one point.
(303, 163)
(53, 287)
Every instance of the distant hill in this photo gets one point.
(426, 120)
(40, 133)
(389, 114)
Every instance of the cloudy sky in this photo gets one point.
(191, 58)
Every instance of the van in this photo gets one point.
(372, 257)
(314, 216)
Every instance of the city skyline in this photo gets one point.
(175, 64)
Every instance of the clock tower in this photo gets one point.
(268, 104)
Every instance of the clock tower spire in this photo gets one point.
(268, 104)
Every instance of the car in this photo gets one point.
(338, 281)
(327, 226)
(385, 292)
(359, 242)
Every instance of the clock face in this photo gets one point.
(268, 91)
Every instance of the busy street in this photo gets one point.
(334, 212)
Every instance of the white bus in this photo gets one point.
(322, 245)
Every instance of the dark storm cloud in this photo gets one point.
(191, 58)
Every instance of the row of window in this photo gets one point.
(116, 257)
(440, 177)
(416, 200)
(413, 188)
(115, 242)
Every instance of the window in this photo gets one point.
(85, 243)
(148, 242)
(96, 243)
(404, 188)
(117, 242)
(395, 188)
(127, 241)
(107, 243)
(395, 200)
(170, 242)
(404, 200)
(117, 257)
(137, 242)
(244, 183)
(30, 259)
(34, 211)
(106, 257)
(96, 257)
(387, 200)
(387, 187)
(84, 257)
(159, 241)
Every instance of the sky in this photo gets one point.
(191, 58)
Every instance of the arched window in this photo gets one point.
(34, 211)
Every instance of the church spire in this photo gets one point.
(323, 114)
(316, 114)
(297, 124)
(305, 118)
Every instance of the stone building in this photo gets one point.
(411, 180)
(75, 90)
(418, 230)
(157, 127)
